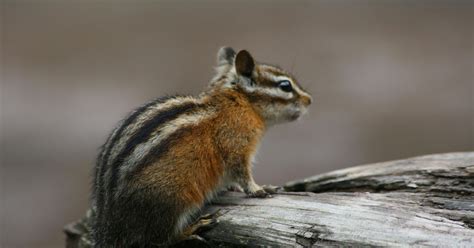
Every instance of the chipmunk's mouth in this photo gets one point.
(294, 117)
(297, 113)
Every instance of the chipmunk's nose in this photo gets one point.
(307, 100)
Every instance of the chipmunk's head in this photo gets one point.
(274, 93)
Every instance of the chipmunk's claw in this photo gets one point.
(206, 222)
(261, 193)
(235, 188)
(271, 189)
(190, 236)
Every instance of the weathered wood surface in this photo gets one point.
(450, 173)
(349, 219)
(442, 181)
(422, 201)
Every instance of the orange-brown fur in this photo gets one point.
(225, 142)
(179, 156)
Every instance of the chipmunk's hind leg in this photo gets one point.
(190, 235)
(202, 224)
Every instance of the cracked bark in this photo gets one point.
(421, 201)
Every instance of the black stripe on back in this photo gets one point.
(143, 134)
(161, 149)
(130, 119)
(102, 161)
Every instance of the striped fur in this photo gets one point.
(170, 156)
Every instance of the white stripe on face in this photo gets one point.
(300, 91)
(266, 72)
(295, 87)
(272, 91)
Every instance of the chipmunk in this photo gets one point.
(171, 155)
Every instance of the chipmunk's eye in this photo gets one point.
(285, 85)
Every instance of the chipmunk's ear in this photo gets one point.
(225, 56)
(244, 63)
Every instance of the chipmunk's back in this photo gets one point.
(142, 141)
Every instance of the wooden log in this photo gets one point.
(349, 219)
(423, 201)
(450, 173)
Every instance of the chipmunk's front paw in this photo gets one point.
(271, 189)
(261, 193)
(258, 192)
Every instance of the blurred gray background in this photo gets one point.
(391, 79)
